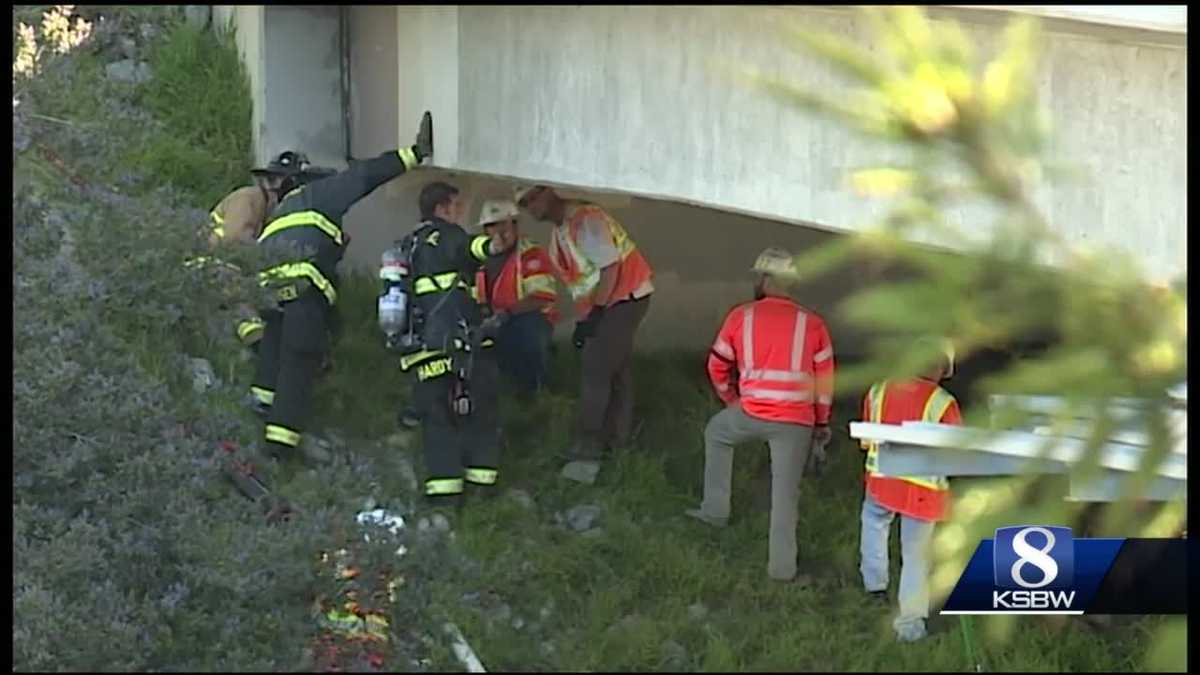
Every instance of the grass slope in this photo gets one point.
(616, 598)
(127, 540)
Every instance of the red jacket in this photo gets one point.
(533, 278)
(917, 400)
(784, 362)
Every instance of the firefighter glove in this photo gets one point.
(493, 323)
(423, 145)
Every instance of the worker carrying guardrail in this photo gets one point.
(920, 501)
(303, 243)
(772, 365)
(610, 283)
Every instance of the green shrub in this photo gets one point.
(200, 93)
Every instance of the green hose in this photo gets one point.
(968, 644)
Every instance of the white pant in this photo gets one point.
(915, 538)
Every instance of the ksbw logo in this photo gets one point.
(1034, 569)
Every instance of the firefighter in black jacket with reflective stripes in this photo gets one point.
(456, 393)
(304, 243)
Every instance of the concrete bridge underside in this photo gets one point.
(627, 104)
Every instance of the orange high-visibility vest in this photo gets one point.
(581, 275)
(526, 273)
(784, 362)
(917, 400)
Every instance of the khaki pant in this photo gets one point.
(790, 445)
(606, 385)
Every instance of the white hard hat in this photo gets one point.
(777, 263)
(495, 210)
(943, 345)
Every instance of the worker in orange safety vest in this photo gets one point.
(516, 288)
(610, 283)
(782, 392)
(920, 501)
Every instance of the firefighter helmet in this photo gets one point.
(288, 162)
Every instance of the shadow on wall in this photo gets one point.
(701, 256)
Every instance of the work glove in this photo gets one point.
(822, 434)
(491, 325)
(423, 145)
(587, 328)
(817, 456)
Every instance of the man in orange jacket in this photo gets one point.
(920, 501)
(782, 392)
(516, 288)
(610, 283)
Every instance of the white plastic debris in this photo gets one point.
(462, 650)
(392, 521)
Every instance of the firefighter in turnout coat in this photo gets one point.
(456, 392)
(304, 243)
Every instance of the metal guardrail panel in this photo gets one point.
(1107, 488)
(899, 459)
(1041, 446)
(1129, 437)
(1018, 444)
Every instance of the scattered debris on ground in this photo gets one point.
(581, 471)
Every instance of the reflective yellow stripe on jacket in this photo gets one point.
(301, 270)
(302, 219)
(935, 407)
(218, 227)
(438, 283)
(589, 274)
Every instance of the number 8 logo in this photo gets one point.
(1028, 555)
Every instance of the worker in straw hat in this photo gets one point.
(782, 393)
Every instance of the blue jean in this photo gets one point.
(915, 538)
(522, 346)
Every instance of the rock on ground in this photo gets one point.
(521, 497)
(581, 471)
(128, 70)
(403, 439)
(500, 613)
(202, 374)
(437, 523)
(583, 517)
(674, 654)
(697, 611)
(128, 47)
